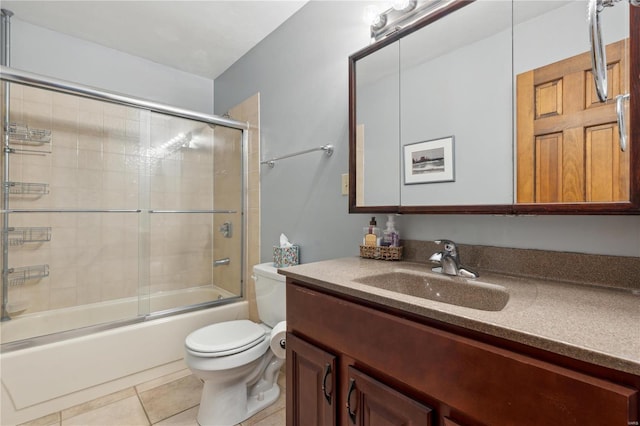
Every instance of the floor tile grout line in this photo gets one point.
(176, 414)
(135, 388)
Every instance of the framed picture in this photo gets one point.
(429, 161)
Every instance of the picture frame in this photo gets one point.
(429, 161)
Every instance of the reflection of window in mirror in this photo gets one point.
(567, 141)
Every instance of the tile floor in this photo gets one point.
(171, 400)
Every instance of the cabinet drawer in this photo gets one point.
(490, 385)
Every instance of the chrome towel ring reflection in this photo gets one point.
(598, 53)
(598, 56)
(622, 126)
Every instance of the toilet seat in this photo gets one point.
(225, 338)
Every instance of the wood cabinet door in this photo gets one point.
(372, 403)
(311, 384)
(448, 422)
(568, 144)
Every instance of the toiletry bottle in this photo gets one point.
(390, 235)
(372, 234)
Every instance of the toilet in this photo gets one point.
(239, 361)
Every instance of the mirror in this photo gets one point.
(496, 112)
(378, 129)
(567, 143)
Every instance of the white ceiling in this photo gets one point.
(200, 37)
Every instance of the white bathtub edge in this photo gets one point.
(46, 379)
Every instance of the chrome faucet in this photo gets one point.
(449, 261)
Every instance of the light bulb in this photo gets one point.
(371, 14)
(404, 5)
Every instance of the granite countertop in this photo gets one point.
(595, 324)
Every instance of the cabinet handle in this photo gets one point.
(327, 371)
(622, 126)
(352, 387)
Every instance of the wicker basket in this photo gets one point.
(381, 253)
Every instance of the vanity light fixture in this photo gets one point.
(400, 14)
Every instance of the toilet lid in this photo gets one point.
(226, 338)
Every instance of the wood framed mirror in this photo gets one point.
(557, 152)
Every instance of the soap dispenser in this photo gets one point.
(390, 236)
(371, 234)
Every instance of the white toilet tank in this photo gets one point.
(270, 293)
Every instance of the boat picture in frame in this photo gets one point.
(429, 161)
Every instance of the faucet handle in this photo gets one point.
(449, 246)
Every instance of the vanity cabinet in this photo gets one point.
(349, 362)
(313, 383)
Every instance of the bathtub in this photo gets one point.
(47, 378)
(27, 326)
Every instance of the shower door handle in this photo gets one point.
(220, 262)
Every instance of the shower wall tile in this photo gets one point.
(89, 155)
(132, 129)
(115, 126)
(64, 176)
(62, 99)
(115, 110)
(64, 238)
(16, 91)
(62, 298)
(90, 124)
(88, 198)
(89, 291)
(63, 278)
(63, 259)
(90, 106)
(16, 115)
(37, 171)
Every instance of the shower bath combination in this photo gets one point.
(108, 213)
(111, 204)
(123, 230)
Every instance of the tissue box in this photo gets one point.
(286, 256)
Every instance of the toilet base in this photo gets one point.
(259, 402)
(223, 409)
(226, 404)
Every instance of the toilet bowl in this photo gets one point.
(239, 361)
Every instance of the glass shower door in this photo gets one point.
(114, 212)
(195, 213)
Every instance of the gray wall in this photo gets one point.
(461, 94)
(42, 51)
(300, 71)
